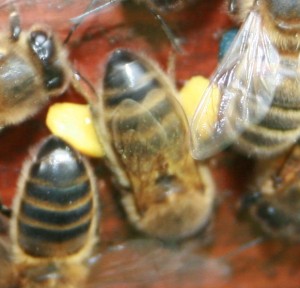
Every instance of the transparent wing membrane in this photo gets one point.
(246, 80)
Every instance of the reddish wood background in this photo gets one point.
(214, 261)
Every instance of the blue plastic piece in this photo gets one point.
(226, 40)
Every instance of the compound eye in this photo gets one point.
(42, 45)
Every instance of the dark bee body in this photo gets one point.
(146, 140)
(54, 221)
(280, 127)
(34, 67)
(275, 203)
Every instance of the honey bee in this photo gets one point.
(54, 222)
(33, 69)
(258, 80)
(145, 135)
(274, 203)
(258, 110)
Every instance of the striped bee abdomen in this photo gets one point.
(55, 206)
(280, 128)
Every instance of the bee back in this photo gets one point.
(145, 135)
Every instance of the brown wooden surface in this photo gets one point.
(214, 261)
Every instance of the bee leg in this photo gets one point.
(15, 24)
(83, 87)
(4, 210)
(71, 32)
(171, 68)
(175, 41)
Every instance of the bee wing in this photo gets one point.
(240, 92)
(151, 263)
(138, 138)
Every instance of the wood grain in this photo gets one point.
(216, 260)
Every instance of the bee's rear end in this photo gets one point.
(54, 220)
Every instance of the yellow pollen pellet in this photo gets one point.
(190, 96)
(73, 123)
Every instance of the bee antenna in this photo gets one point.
(88, 11)
(166, 28)
(77, 77)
